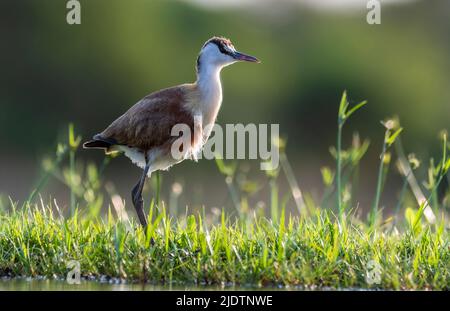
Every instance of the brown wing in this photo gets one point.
(149, 122)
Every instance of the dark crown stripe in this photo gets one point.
(220, 42)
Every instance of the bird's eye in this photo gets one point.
(229, 48)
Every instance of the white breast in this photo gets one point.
(210, 89)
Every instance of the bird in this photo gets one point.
(143, 132)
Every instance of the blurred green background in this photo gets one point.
(53, 73)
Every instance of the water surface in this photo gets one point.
(30, 284)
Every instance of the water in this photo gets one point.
(29, 284)
(32, 284)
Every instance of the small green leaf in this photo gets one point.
(355, 108)
(227, 170)
(391, 139)
(250, 187)
(343, 105)
(327, 176)
(359, 152)
(74, 142)
(447, 166)
(410, 215)
(419, 214)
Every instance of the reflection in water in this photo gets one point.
(28, 284)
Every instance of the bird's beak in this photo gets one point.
(244, 57)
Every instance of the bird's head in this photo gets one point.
(220, 52)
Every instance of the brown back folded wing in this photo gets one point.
(149, 122)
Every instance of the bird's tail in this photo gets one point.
(99, 142)
(96, 144)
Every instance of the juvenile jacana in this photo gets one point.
(143, 133)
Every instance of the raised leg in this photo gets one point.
(136, 195)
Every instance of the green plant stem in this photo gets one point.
(234, 195)
(158, 188)
(295, 189)
(273, 199)
(355, 183)
(401, 198)
(426, 203)
(412, 181)
(72, 174)
(339, 170)
(376, 202)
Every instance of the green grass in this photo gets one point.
(320, 244)
(312, 251)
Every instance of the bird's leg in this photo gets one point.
(138, 203)
(136, 195)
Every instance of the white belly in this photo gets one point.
(158, 160)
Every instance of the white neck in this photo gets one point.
(210, 88)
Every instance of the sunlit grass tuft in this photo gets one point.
(294, 251)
